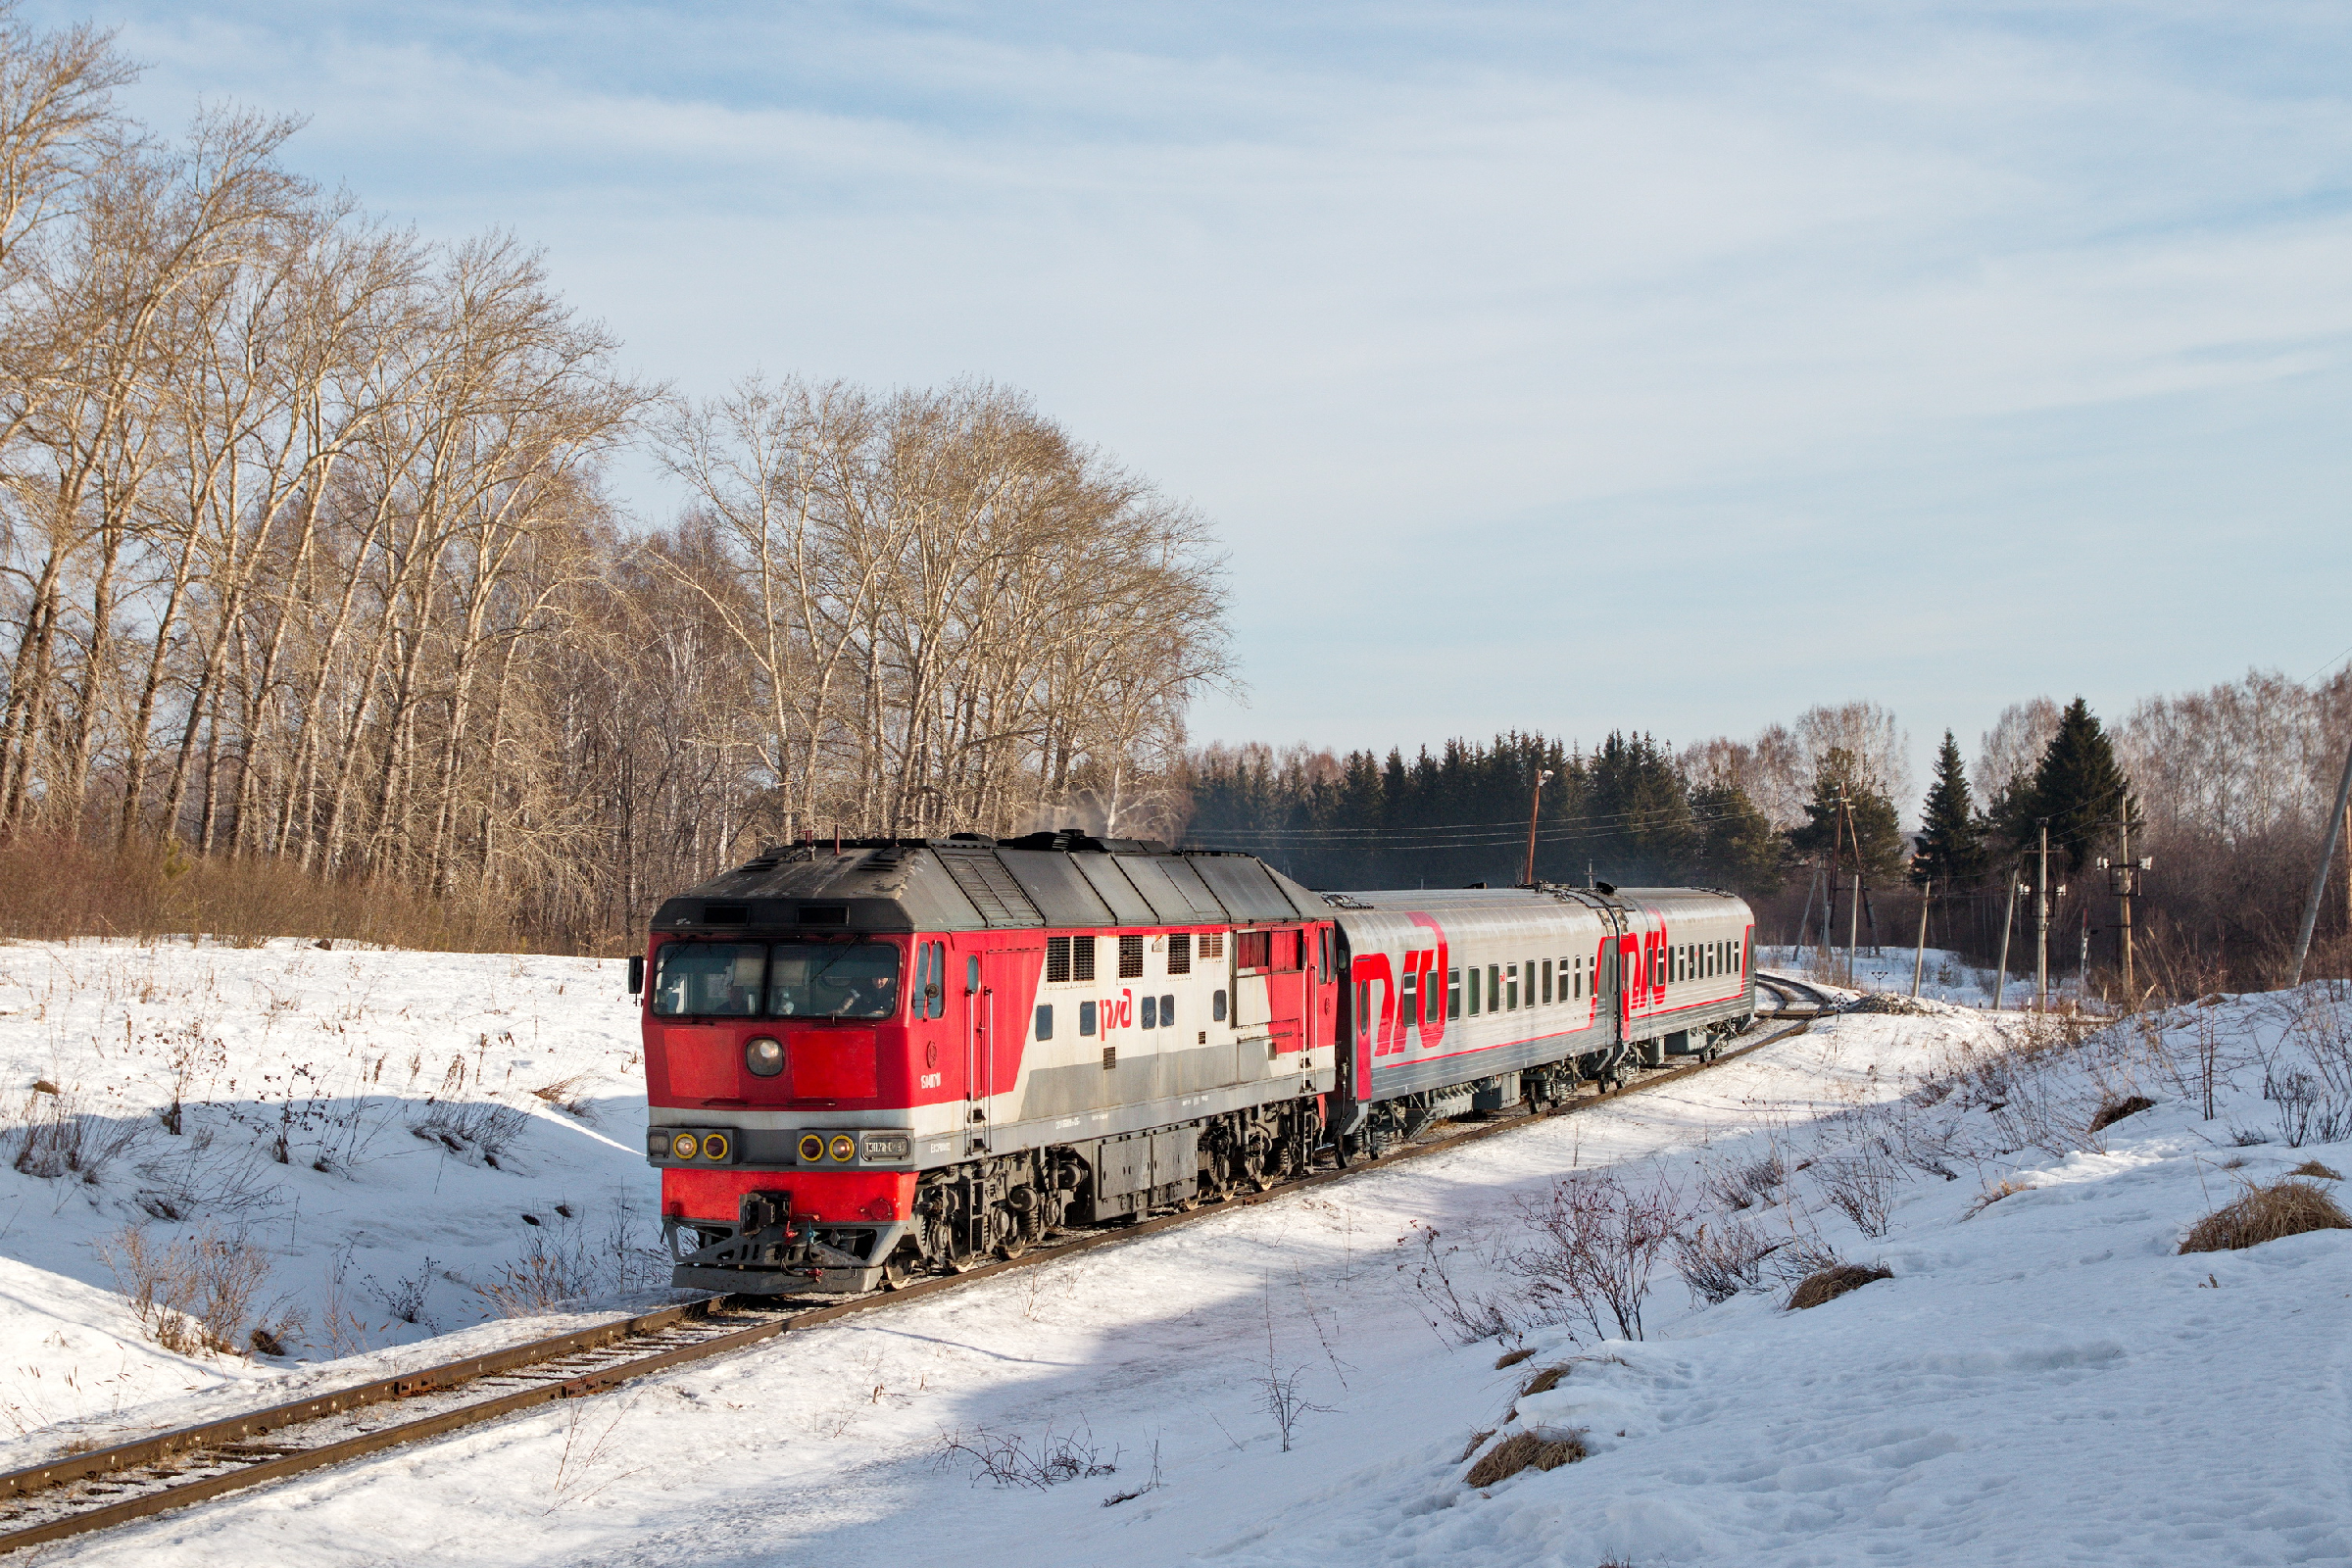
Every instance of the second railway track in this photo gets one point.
(79, 1493)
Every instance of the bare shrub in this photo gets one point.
(1719, 1261)
(1010, 1460)
(1595, 1245)
(2286, 1207)
(404, 1297)
(564, 1093)
(1524, 1451)
(195, 1293)
(1827, 1285)
(195, 1176)
(2115, 1110)
(1861, 1186)
(1473, 1315)
(56, 1137)
(471, 1129)
(2311, 1111)
(1743, 1183)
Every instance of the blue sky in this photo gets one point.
(1573, 366)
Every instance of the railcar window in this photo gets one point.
(1044, 1020)
(1453, 993)
(1473, 993)
(1412, 996)
(1131, 957)
(833, 980)
(1086, 1017)
(1493, 988)
(1510, 973)
(1580, 979)
(1180, 953)
(709, 979)
(1058, 960)
(1547, 982)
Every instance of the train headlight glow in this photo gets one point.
(765, 1057)
(685, 1146)
(845, 1148)
(887, 1145)
(812, 1149)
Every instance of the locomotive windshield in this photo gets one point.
(796, 980)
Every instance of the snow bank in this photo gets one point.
(2043, 1379)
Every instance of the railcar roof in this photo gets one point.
(971, 883)
(1507, 898)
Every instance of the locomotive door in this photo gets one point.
(979, 1037)
(1285, 992)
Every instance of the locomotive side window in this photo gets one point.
(709, 979)
(1044, 1020)
(1131, 957)
(1285, 950)
(1323, 957)
(1216, 1006)
(1082, 957)
(1453, 993)
(1167, 1011)
(1150, 1012)
(1086, 1017)
(1180, 953)
(1249, 950)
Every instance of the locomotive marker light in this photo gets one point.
(685, 1146)
(716, 1147)
(845, 1148)
(812, 1149)
(765, 1057)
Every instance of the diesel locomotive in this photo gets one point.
(891, 1056)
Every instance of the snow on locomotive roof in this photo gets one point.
(969, 883)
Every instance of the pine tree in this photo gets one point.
(1875, 828)
(1737, 847)
(1951, 841)
(2077, 787)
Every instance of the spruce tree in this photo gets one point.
(1951, 841)
(1737, 847)
(2078, 787)
(1875, 828)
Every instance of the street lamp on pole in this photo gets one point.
(1535, 802)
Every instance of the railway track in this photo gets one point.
(1797, 997)
(76, 1493)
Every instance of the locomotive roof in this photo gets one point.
(971, 883)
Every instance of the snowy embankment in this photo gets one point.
(2041, 1379)
(376, 1147)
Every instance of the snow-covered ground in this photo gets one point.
(311, 1083)
(1943, 975)
(2043, 1379)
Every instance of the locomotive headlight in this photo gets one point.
(812, 1149)
(765, 1057)
(685, 1146)
(845, 1148)
(887, 1145)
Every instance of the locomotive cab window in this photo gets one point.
(709, 979)
(833, 980)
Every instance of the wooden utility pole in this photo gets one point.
(2123, 904)
(2318, 881)
(1918, 958)
(2042, 922)
(1853, 930)
(2000, 983)
(1535, 801)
